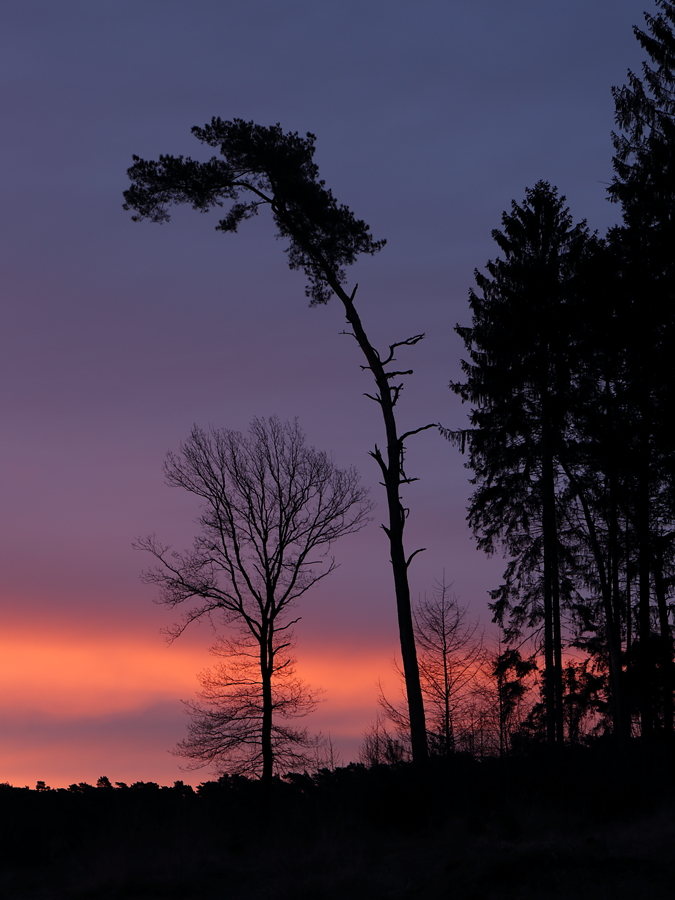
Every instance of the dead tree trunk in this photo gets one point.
(393, 474)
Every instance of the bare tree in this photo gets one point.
(451, 658)
(451, 661)
(271, 508)
(326, 755)
(226, 728)
(381, 748)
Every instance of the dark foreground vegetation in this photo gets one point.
(518, 827)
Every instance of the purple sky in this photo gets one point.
(116, 337)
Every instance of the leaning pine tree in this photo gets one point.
(267, 167)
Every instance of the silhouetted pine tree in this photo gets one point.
(519, 380)
(594, 503)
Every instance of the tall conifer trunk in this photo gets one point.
(665, 648)
(553, 636)
(645, 660)
(394, 476)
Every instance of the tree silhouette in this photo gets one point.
(645, 113)
(227, 723)
(270, 506)
(644, 185)
(451, 660)
(509, 671)
(265, 166)
(519, 381)
(572, 443)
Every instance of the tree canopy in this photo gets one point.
(278, 169)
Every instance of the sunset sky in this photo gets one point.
(117, 337)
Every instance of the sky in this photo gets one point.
(116, 337)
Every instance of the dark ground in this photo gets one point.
(485, 830)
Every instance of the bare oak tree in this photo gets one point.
(271, 508)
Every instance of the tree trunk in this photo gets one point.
(266, 669)
(447, 712)
(645, 661)
(620, 711)
(552, 628)
(608, 576)
(392, 472)
(666, 642)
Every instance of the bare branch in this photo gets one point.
(417, 431)
(408, 342)
(414, 553)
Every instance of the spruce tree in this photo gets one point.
(644, 185)
(519, 381)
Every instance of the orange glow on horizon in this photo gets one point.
(81, 675)
(66, 677)
(82, 705)
(71, 676)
